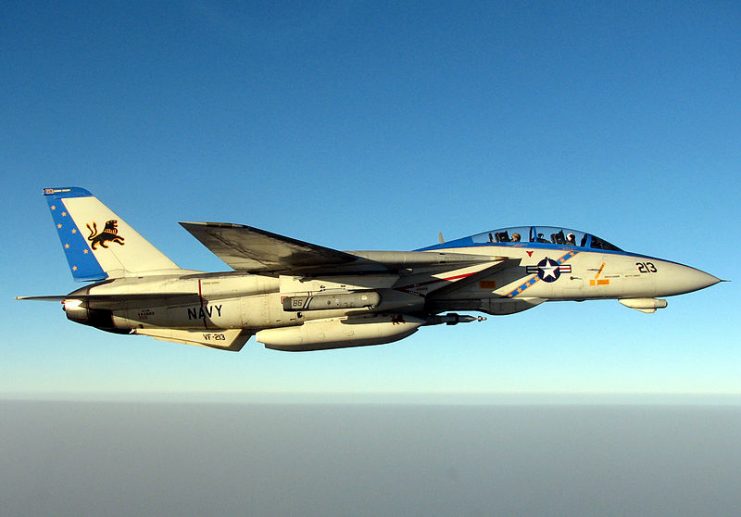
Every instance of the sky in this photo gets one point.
(376, 125)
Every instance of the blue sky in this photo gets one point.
(371, 125)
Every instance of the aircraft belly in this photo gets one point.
(505, 306)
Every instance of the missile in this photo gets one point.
(452, 319)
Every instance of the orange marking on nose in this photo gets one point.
(600, 271)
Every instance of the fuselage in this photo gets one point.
(198, 301)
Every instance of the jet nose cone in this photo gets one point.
(685, 279)
(693, 279)
(703, 280)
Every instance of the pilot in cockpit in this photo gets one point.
(515, 237)
(571, 239)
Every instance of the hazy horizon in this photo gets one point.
(384, 398)
(126, 458)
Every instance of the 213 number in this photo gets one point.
(646, 267)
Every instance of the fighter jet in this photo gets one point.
(296, 296)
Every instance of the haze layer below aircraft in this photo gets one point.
(296, 296)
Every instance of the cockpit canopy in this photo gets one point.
(534, 235)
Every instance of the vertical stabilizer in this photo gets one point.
(99, 244)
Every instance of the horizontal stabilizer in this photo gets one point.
(250, 249)
(51, 298)
(115, 301)
(232, 340)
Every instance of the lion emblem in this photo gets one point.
(109, 233)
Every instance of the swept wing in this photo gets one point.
(253, 250)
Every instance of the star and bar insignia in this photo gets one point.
(548, 270)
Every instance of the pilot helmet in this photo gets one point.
(570, 236)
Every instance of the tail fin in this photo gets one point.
(97, 243)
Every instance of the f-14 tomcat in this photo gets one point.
(297, 296)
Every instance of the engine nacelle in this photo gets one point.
(80, 312)
(340, 332)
